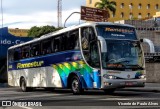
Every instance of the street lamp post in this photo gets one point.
(69, 17)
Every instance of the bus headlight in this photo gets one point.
(109, 76)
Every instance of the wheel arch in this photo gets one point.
(70, 76)
(20, 80)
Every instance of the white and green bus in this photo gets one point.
(102, 55)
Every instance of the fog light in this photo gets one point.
(106, 84)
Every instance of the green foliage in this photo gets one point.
(39, 31)
(106, 5)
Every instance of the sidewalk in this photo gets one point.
(149, 87)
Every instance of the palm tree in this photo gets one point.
(106, 5)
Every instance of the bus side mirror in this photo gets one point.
(141, 40)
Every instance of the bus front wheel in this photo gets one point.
(23, 86)
(76, 86)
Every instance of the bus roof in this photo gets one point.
(68, 29)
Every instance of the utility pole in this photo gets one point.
(59, 13)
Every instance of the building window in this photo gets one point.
(156, 7)
(90, 1)
(148, 6)
(148, 14)
(131, 6)
(140, 6)
(139, 16)
(113, 15)
(122, 14)
(130, 15)
(122, 5)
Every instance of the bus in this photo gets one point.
(97, 55)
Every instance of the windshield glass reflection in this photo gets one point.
(122, 54)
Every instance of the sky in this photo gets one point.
(25, 14)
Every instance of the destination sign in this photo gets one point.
(116, 32)
(123, 30)
(94, 14)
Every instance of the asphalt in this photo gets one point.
(149, 87)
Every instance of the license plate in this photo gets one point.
(128, 83)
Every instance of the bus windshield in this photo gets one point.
(123, 49)
(122, 54)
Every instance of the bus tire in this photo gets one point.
(76, 86)
(109, 91)
(23, 86)
(50, 89)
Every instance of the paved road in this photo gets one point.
(60, 98)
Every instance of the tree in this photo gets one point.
(39, 31)
(107, 5)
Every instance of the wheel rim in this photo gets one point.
(75, 85)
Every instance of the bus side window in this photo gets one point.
(46, 47)
(17, 54)
(85, 42)
(35, 49)
(57, 44)
(10, 55)
(25, 52)
(64, 42)
(73, 42)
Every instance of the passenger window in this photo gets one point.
(46, 47)
(73, 42)
(17, 54)
(57, 44)
(11, 55)
(25, 52)
(35, 49)
(64, 39)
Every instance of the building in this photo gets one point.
(131, 9)
(7, 39)
(146, 29)
(18, 32)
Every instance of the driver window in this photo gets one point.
(85, 43)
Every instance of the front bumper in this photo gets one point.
(108, 84)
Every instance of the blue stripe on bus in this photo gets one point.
(49, 59)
